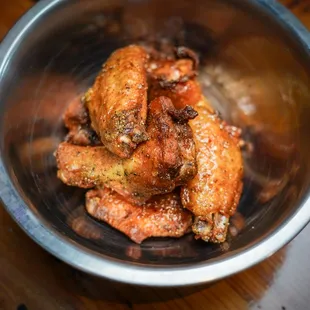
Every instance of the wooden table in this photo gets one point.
(32, 279)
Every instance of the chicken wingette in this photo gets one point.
(214, 193)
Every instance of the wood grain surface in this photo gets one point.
(32, 279)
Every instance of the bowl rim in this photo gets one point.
(125, 272)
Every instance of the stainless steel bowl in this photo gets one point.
(255, 70)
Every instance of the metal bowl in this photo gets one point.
(254, 69)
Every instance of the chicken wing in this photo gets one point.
(160, 164)
(117, 102)
(214, 193)
(174, 78)
(161, 216)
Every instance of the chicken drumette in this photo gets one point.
(117, 102)
(213, 194)
(158, 165)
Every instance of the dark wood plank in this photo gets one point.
(32, 279)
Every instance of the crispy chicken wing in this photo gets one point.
(160, 164)
(213, 194)
(83, 136)
(117, 102)
(161, 216)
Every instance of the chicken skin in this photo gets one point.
(160, 164)
(214, 193)
(117, 102)
(161, 216)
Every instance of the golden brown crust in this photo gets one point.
(117, 102)
(81, 166)
(162, 216)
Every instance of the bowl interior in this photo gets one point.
(252, 69)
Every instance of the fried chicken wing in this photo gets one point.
(161, 216)
(160, 164)
(117, 102)
(214, 193)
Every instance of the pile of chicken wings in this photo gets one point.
(158, 160)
